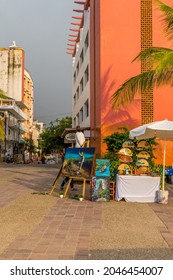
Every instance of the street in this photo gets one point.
(35, 225)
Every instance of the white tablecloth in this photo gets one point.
(137, 188)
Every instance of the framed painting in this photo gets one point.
(78, 162)
(100, 188)
(102, 168)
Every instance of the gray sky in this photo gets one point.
(41, 28)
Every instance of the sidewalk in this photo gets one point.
(34, 225)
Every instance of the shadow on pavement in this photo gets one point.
(133, 254)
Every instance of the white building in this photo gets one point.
(11, 118)
(38, 128)
(81, 73)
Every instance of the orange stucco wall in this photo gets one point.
(163, 96)
(116, 27)
(117, 42)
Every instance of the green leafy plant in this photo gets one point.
(114, 144)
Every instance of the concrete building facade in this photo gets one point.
(16, 82)
(28, 100)
(11, 121)
(12, 71)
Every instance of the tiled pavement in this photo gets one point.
(165, 214)
(64, 232)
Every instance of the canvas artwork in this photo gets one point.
(100, 189)
(102, 168)
(78, 162)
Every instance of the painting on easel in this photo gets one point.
(78, 162)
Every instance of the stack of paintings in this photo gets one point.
(101, 181)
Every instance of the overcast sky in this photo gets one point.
(41, 28)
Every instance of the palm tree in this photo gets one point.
(161, 72)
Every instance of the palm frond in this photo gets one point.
(142, 82)
(161, 58)
(126, 93)
(163, 78)
(165, 64)
(167, 18)
(153, 53)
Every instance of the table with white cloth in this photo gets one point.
(137, 188)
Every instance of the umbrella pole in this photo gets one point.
(164, 160)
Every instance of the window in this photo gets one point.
(81, 58)
(81, 115)
(77, 68)
(86, 42)
(86, 108)
(86, 75)
(81, 86)
(77, 119)
(74, 77)
(74, 99)
(77, 93)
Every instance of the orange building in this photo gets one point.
(118, 31)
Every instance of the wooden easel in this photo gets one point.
(56, 181)
(68, 184)
(76, 178)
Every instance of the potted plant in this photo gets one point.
(61, 194)
(80, 196)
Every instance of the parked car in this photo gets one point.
(50, 159)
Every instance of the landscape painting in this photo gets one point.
(100, 189)
(102, 168)
(78, 162)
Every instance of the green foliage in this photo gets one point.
(114, 141)
(29, 146)
(114, 144)
(2, 94)
(51, 137)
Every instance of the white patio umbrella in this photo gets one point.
(160, 129)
